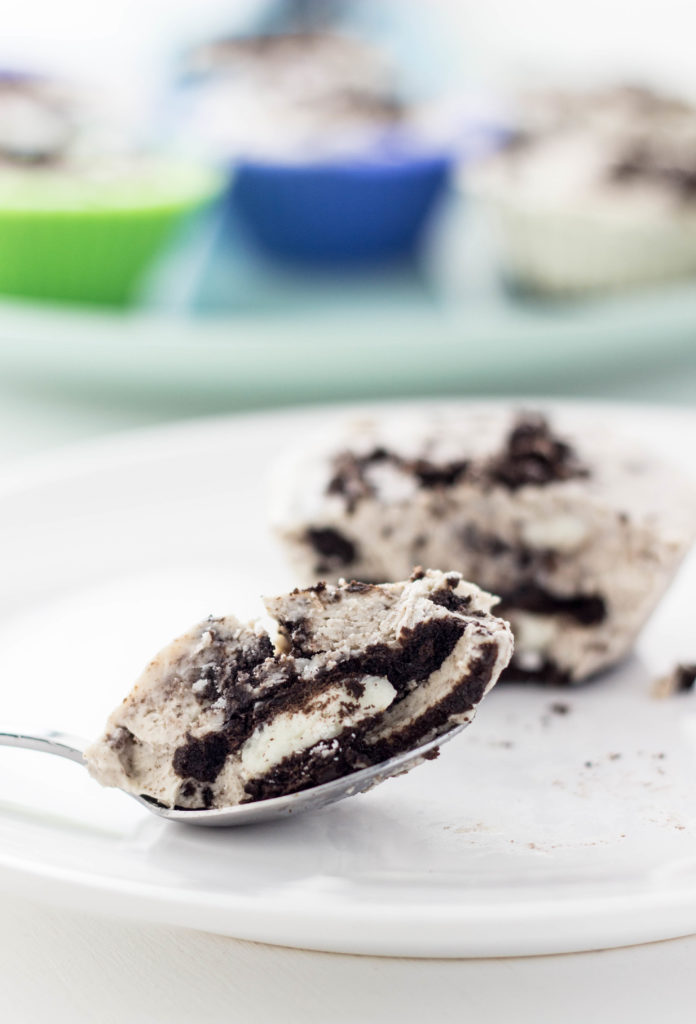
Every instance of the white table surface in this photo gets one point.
(67, 966)
(62, 966)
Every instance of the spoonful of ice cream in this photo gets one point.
(364, 682)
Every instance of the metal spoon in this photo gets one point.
(64, 745)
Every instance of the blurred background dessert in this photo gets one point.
(84, 211)
(596, 190)
(329, 159)
(415, 199)
(338, 147)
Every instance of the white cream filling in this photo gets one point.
(533, 634)
(562, 532)
(291, 733)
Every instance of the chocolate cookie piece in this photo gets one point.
(682, 679)
(534, 456)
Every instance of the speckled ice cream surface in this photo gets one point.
(595, 190)
(622, 151)
(356, 674)
(579, 532)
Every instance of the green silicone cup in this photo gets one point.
(94, 245)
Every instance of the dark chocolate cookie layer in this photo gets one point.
(352, 751)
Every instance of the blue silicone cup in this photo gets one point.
(348, 212)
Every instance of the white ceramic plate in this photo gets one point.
(537, 831)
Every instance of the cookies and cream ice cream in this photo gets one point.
(358, 673)
(595, 190)
(578, 532)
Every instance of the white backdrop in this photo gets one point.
(496, 37)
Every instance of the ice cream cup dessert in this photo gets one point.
(333, 163)
(343, 211)
(595, 192)
(578, 534)
(82, 216)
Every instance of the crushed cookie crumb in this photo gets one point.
(681, 679)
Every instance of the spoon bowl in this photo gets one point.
(313, 799)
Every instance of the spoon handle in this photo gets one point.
(51, 742)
